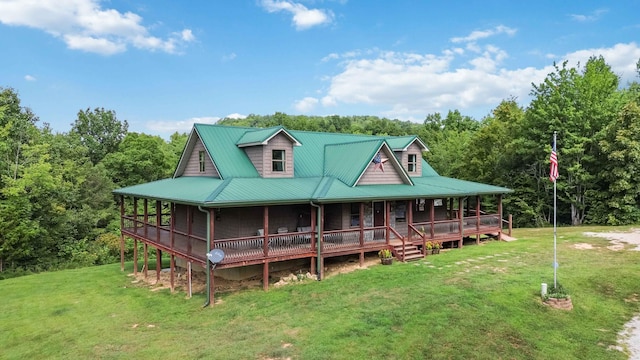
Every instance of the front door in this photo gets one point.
(378, 213)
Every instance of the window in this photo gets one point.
(277, 160)
(412, 166)
(355, 214)
(201, 159)
(401, 213)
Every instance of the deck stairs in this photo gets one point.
(410, 252)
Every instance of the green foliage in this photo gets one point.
(100, 131)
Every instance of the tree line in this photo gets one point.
(57, 209)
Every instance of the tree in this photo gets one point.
(618, 203)
(576, 104)
(100, 131)
(140, 158)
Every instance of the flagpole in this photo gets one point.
(555, 234)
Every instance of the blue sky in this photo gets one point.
(163, 65)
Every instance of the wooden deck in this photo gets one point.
(280, 247)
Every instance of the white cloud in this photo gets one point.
(229, 57)
(85, 25)
(412, 85)
(595, 15)
(482, 34)
(179, 126)
(306, 105)
(29, 77)
(235, 116)
(303, 17)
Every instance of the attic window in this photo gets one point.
(277, 160)
(201, 159)
(412, 165)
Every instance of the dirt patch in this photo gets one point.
(333, 267)
(619, 239)
(583, 246)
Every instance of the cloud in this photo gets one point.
(235, 116)
(179, 126)
(84, 25)
(303, 17)
(306, 105)
(29, 77)
(483, 34)
(229, 57)
(409, 85)
(595, 15)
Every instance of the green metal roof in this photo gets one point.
(220, 141)
(398, 143)
(347, 161)
(327, 166)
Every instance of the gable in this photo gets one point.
(192, 167)
(386, 170)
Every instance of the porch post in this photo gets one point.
(121, 235)
(146, 218)
(387, 223)
(409, 218)
(460, 221)
(478, 219)
(172, 225)
(313, 238)
(265, 249)
(135, 215)
(265, 235)
(158, 252)
(321, 258)
(500, 218)
(189, 229)
(212, 218)
(361, 223)
(432, 217)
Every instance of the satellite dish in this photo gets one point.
(215, 256)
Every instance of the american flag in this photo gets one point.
(553, 173)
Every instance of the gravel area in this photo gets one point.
(629, 337)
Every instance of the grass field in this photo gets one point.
(479, 302)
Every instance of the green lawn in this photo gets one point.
(479, 302)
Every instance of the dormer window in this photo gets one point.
(412, 165)
(277, 160)
(201, 158)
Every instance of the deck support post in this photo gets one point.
(172, 272)
(145, 267)
(158, 264)
(265, 276)
(135, 256)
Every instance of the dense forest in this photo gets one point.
(57, 209)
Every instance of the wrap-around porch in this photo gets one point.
(274, 233)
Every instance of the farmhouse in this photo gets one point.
(269, 196)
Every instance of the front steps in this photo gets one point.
(411, 252)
